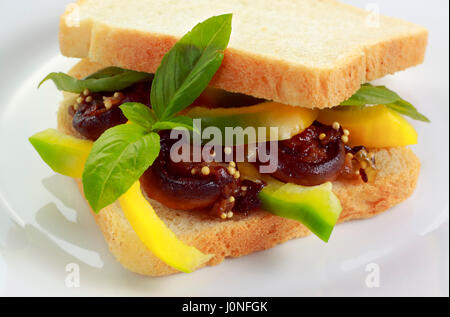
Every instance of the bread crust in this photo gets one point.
(397, 177)
(248, 73)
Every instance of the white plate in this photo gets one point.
(45, 225)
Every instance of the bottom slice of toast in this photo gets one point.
(396, 179)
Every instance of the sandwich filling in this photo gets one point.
(317, 155)
(131, 123)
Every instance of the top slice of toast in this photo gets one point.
(309, 53)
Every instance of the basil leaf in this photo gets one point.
(407, 109)
(175, 123)
(189, 66)
(118, 158)
(123, 153)
(372, 95)
(139, 113)
(105, 73)
(98, 82)
(375, 95)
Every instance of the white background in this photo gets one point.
(45, 225)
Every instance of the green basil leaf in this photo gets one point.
(372, 95)
(380, 95)
(139, 113)
(118, 158)
(177, 123)
(106, 80)
(187, 69)
(105, 73)
(405, 108)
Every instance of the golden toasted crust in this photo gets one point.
(396, 180)
(400, 46)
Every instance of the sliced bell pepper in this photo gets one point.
(67, 155)
(156, 236)
(373, 126)
(317, 207)
(64, 154)
(289, 120)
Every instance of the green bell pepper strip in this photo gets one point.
(316, 207)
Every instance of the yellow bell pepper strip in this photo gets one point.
(67, 155)
(156, 236)
(316, 207)
(289, 120)
(373, 126)
(64, 154)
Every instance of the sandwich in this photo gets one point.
(201, 130)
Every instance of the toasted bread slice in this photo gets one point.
(305, 53)
(397, 177)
